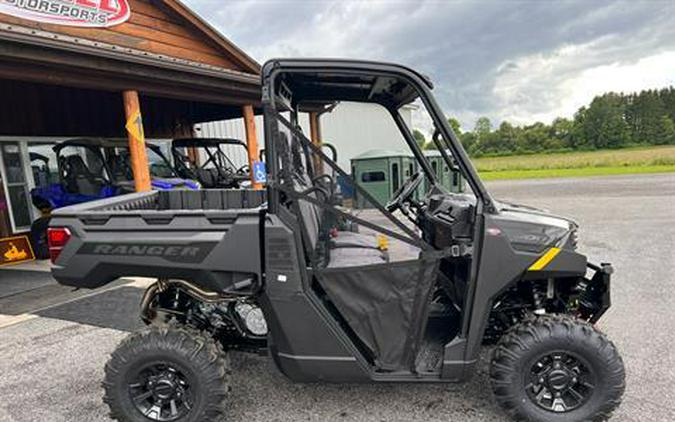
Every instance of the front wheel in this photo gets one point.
(557, 369)
(166, 374)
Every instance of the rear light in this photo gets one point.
(57, 238)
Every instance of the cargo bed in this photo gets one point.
(203, 236)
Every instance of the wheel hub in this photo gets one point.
(163, 389)
(560, 382)
(558, 379)
(160, 392)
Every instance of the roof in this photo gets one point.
(38, 56)
(333, 63)
(205, 142)
(129, 41)
(209, 31)
(435, 152)
(99, 143)
(382, 153)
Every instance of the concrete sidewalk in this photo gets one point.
(28, 293)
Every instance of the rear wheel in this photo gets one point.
(166, 374)
(555, 369)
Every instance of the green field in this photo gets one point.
(577, 164)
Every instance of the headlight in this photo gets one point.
(570, 242)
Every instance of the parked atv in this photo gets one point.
(208, 161)
(90, 169)
(410, 297)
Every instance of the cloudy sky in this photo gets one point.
(524, 61)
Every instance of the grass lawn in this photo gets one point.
(578, 164)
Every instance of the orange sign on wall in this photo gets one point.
(15, 249)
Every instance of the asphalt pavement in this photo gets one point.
(51, 362)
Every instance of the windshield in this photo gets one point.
(436, 148)
(159, 166)
(75, 159)
(119, 162)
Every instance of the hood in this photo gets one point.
(534, 230)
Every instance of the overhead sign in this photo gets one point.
(86, 13)
(15, 249)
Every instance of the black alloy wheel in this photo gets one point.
(560, 382)
(168, 374)
(556, 368)
(161, 392)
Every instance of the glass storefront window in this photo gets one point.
(12, 160)
(20, 207)
(16, 185)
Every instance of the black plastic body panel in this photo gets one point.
(305, 346)
(158, 234)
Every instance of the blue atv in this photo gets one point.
(90, 169)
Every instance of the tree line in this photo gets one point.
(611, 120)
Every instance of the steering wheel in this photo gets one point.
(404, 193)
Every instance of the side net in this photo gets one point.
(370, 266)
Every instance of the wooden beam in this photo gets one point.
(251, 142)
(315, 137)
(134, 126)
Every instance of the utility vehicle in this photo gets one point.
(208, 161)
(162, 173)
(410, 297)
(90, 169)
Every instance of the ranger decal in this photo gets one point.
(192, 252)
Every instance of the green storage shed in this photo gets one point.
(380, 172)
(448, 178)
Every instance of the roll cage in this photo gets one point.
(227, 172)
(294, 86)
(322, 83)
(104, 150)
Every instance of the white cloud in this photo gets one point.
(655, 71)
(523, 61)
(540, 87)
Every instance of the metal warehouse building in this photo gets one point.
(131, 69)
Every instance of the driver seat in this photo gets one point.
(302, 165)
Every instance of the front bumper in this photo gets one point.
(594, 297)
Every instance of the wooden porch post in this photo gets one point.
(315, 137)
(134, 126)
(251, 142)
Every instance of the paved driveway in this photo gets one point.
(51, 363)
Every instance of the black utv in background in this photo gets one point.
(401, 300)
(208, 161)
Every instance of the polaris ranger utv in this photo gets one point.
(241, 270)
